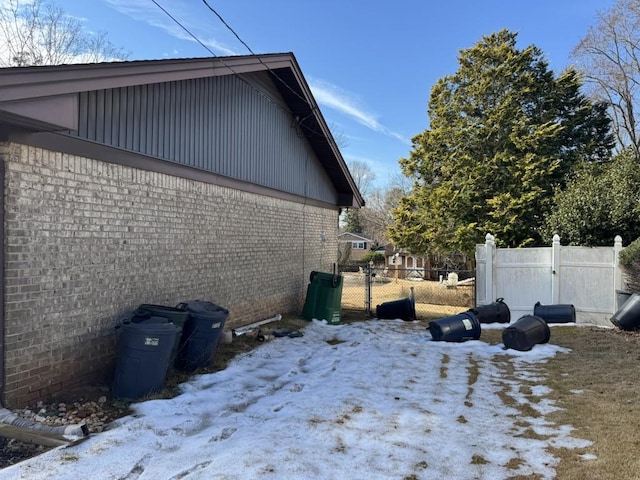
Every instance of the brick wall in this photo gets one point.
(87, 241)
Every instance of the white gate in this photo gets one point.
(586, 277)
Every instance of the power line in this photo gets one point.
(238, 76)
(227, 25)
(215, 12)
(184, 28)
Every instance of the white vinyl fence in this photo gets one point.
(586, 277)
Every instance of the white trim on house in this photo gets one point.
(355, 237)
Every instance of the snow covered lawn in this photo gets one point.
(367, 400)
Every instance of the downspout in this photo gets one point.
(72, 432)
(2, 278)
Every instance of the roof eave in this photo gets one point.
(22, 85)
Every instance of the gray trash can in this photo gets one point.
(144, 351)
(200, 334)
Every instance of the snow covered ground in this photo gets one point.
(369, 400)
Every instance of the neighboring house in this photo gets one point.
(357, 244)
(401, 263)
(155, 182)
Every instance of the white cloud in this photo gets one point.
(146, 11)
(332, 96)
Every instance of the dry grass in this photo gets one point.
(603, 366)
(433, 300)
(596, 387)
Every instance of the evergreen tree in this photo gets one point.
(504, 132)
(352, 223)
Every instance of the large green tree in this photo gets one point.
(504, 132)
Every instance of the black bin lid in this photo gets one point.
(201, 307)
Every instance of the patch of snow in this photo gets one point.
(376, 399)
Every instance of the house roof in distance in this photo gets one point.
(44, 98)
(349, 237)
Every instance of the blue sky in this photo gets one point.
(371, 65)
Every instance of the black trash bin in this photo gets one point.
(144, 351)
(456, 328)
(621, 297)
(200, 335)
(560, 313)
(496, 312)
(404, 309)
(627, 317)
(174, 315)
(528, 331)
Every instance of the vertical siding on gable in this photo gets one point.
(224, 125)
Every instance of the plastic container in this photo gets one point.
(628, 316)
(200, 335)
(404, 309)
(560, 313)
(621, 298)
(174, 315)
(144, 351)
(456, 328)
(324, 298)
(496, 312)
(528, 331)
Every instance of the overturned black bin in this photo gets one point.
(627, 317)
(496, 312)
(559, 313)
(456, 328)
(200, 335)
(404, 309)
(144, 352)
(528, 331)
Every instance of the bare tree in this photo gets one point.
(609, 56)
(363, 175)
(377, 216)
(341, 138)
(38, 32)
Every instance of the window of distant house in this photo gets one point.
(359, 245)
(392, 260)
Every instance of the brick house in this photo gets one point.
(357, 245)
(155, 182)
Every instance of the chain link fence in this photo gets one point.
(437, 293)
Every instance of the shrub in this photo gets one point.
(630, 264)
(599, 202)
(376, 257)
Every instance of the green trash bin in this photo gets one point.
(324, 298)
